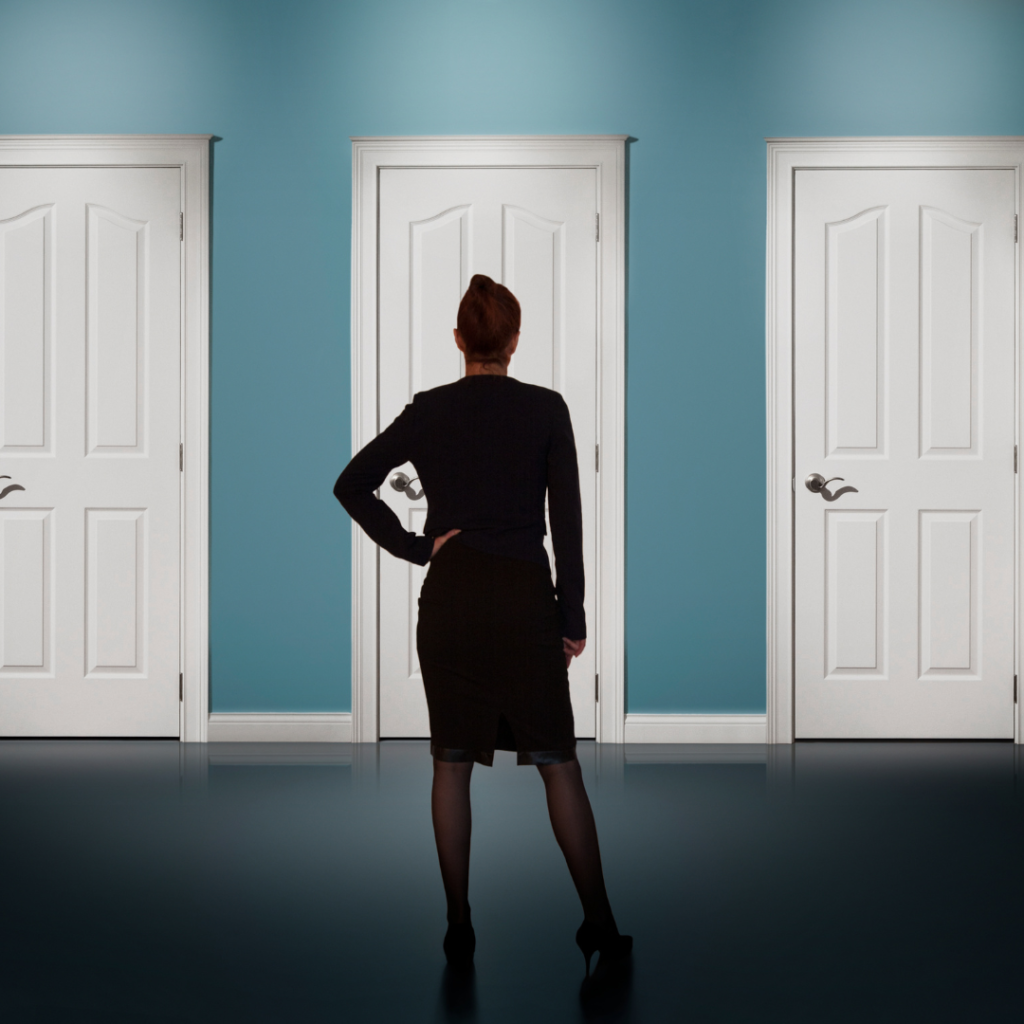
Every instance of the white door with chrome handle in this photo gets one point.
(904, 486)
(534, 229)
(90, 414)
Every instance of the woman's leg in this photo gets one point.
(573, 823)
(453, 822)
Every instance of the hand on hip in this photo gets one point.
(439, 542)
(572, 648)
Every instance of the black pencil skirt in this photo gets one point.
(490, 650)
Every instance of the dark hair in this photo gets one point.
(488, 319)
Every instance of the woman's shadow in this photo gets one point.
(605, 997)
(456, 1001)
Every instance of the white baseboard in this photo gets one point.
(696, 728)
(253, 727)
(696, 753)
(281, 755)
(336, 727)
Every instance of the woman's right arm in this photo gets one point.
(566, 515)
(361, 478)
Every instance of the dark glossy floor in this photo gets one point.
(824, 882)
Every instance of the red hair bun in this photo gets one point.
(488, 319)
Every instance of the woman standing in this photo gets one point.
(495, 637)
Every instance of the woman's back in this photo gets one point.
(486, 448)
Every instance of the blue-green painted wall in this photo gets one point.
(698, 84)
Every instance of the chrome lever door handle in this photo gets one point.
(10, 487)
(817, 484)
(400, 482)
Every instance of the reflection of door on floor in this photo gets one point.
(534, 230)
(90, 300)
(904, 393)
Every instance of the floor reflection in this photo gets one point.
(457, 1001)
(821, 882)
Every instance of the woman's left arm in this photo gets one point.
(365, 473)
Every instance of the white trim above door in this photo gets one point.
(785, 158)
(190, 155)
(606, 154)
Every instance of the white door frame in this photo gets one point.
(607, 155)
(190, 154)
(785, 156)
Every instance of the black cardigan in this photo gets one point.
(486, 449)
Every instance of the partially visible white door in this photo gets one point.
(90, 310)
(904, 388)
(534, 229)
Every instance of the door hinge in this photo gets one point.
(1015, 227)
(597, 688)
(181, 457)
(794, 484)
(1015, 458)
(1014, 689)
(597, 458)
(597, 227)
(181, 227)
(181, 687)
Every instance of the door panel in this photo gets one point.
(949, 596)
(89, 564)
(855, 569)
(27, 551)
(950, 279)
(533, 265)
(116, 333)
(855, 279)
(904, 392)
(533, 230)
(26, 280)
(438, 276)
(116, 557)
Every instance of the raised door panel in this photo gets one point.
(417, 574)
(116, 561)
(26, 590)
(117, 336)
(438, 277)
(855, 281)
(950, 288)
(533, 268)
(26, 322)
(403, 705)
(950, 594)
(855, 571)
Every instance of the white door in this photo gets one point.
(534, 230)
(904, 388)
(90, 300)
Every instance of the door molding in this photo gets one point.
(785, 156)
(189, 153)
(607, 155)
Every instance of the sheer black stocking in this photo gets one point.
(453, 824)
(573, 823)
(571, 819)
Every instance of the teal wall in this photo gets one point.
(698, 84)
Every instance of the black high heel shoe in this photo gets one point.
(460, 944)
(605, 939)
